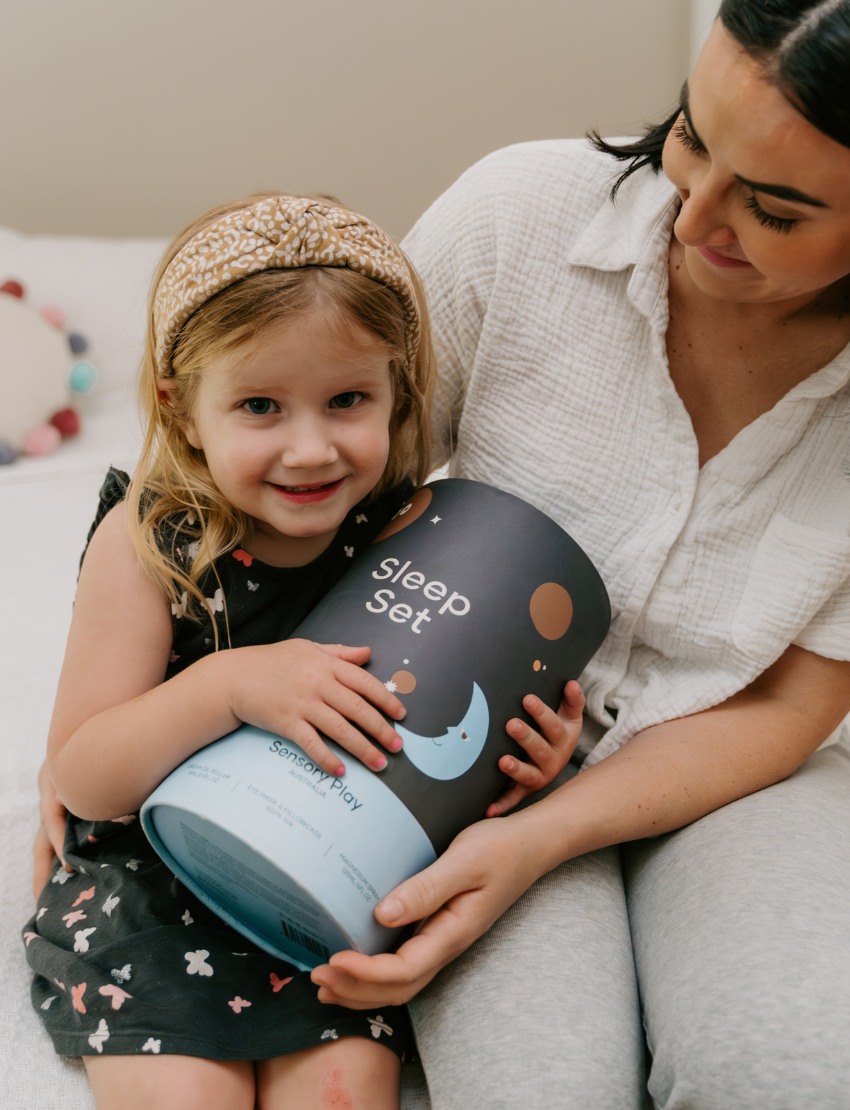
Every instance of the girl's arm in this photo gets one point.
(118, 729)
(664, 778)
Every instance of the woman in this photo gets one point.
(666, 375)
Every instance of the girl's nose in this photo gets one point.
(307, 446)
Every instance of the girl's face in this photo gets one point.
(765, 196)
(295, 428)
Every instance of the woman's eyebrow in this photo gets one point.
(783, 192)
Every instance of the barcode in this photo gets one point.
(305, 940)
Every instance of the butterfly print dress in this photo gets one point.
(125, 959)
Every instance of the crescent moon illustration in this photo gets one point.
(449, 755)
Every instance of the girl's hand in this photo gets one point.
(549, 753)
(298, 689)
(50, 838)
(483, 871)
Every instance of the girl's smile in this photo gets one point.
(304, 495)
(294, 427)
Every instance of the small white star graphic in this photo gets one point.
(361, 518)
(434, 519)
(349, 551)
(391, 686)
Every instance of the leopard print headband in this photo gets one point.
(278, 233)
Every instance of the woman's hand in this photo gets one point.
(483, 871)
(50, 838)
(297, 689)
(549, 752)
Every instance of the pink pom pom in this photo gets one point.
(67, 421)
(53, 315)
(13, 288)
(42, 440)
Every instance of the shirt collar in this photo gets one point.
(634, 231)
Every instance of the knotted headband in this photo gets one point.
(277, 233)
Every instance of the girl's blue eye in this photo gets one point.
(346, 400)
(258, 406)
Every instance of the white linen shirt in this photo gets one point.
(549, 305)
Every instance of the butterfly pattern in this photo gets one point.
(197, 962)
(155, 971)
(100, 1036)
(81, 939)
(118, 996)
(110, 904)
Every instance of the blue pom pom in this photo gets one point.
(82, 377)
(7, 454)
(78, 343)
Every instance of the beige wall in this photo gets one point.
(130, 118)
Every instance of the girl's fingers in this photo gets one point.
(306, 737)
(365, 684)
(43, 856)
(364, 715)
(572, 705)
(338, 728)
(356, 655)
(525, 774)
(510, 798)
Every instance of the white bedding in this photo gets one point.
(46, 507)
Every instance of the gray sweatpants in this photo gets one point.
(723, 947)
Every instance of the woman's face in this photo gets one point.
(765, 196)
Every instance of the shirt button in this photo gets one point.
(675, 504)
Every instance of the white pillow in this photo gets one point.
(101, 286)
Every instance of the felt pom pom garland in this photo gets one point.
(39, 368)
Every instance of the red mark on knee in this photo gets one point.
(334, 1093)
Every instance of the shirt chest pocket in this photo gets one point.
(795, 570)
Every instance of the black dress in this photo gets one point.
(126, 959)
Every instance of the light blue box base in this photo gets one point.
(293, 858)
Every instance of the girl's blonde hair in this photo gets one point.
(179, 521)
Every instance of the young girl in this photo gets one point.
(285, 383)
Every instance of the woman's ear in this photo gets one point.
(166, 388)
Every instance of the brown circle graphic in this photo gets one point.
(404, 682)
(551, 610)
(536, 665)
(410, 511)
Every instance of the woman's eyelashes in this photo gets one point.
(775, 223)
(782, 224)
(687, 140)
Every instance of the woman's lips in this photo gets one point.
(307, 494)
(722, 260)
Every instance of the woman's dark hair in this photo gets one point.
(804, 47)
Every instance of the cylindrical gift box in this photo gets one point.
(469, 599)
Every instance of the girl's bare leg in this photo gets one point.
(170, 1083)
(348, 1074)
